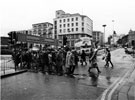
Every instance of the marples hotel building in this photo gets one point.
(73, 26)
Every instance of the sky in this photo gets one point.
(21, 14)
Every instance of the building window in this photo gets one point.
(60, 25)
(64, 30)
(72, 19)
(55, 22)
(68, 30)
(76, 24)
(68, 19)
(76, 18)
(68, 25)
(82, 29)
(82, 23)
(72, 24)
(72, 29)
(76, 29)
(64, 20)
(60, 21)
(64, 25)
(60, 30)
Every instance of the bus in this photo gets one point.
(84, 43)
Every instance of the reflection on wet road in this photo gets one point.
(37, 86)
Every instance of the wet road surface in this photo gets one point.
(38, 86)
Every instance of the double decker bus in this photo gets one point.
(84, 43)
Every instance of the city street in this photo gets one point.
(38, 86)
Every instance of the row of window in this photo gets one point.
(42, 26)
(68, 25)
(68, 20)
(68, 30)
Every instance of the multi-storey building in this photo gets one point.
(40, 35)
(28, 32)
(43, 29)
(131, 38)
(98, 36)
(73, 26)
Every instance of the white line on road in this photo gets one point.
(121, 80)
(106, 91)
(114, 86)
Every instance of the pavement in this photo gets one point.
(10, 72)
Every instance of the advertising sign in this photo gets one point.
(35, 39)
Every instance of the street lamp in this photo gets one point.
(104, 31)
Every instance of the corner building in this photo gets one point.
(73, 26)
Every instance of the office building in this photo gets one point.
(73, 26)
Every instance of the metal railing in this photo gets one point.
(7, 65)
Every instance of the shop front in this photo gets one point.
(36, 41)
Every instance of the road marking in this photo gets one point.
(106, 91)
(115, 85)
(122, 79)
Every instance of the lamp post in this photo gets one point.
(113, 25)
(104, 31)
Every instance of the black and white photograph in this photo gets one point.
(67, 50)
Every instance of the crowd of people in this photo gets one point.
(53, 61)
(56, 61)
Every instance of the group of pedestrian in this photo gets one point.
(59, 61)
(52, 61)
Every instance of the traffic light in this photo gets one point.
(15, 38)
(10, 39)
(64, 40)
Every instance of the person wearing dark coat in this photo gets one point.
(108, 58)
(59, 62)
(45, 61)
(83, 57)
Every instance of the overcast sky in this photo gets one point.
(21, 14)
